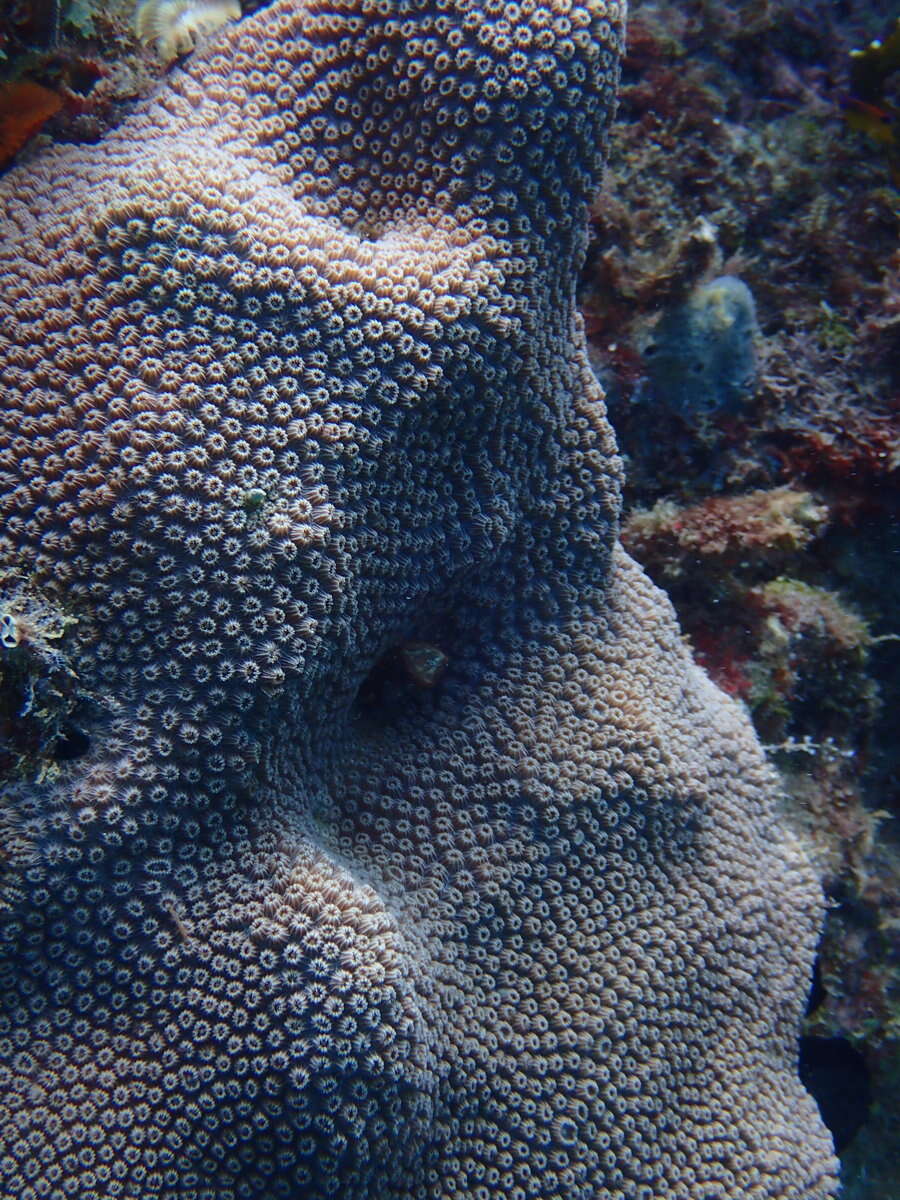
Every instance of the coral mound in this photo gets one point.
(295, 393)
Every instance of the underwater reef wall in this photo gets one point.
(386, 840)
(761, 141)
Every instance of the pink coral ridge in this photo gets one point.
(293, 379)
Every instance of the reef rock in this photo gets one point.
(293, 381)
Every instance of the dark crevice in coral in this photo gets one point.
(382, 687)
(72, 743)
(837, 1076)
(817, 991)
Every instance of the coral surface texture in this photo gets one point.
(295, 398)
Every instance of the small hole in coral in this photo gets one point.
(381, 685)
(71, 743)
(83, 76)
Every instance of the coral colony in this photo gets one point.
(388, 842)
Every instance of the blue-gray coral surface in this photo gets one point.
(296, 411)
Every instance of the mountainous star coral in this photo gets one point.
(293, 381)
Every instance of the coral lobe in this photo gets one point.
(293, 383)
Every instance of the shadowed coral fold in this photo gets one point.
(292, 382)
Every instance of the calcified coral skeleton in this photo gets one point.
(293, 380)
